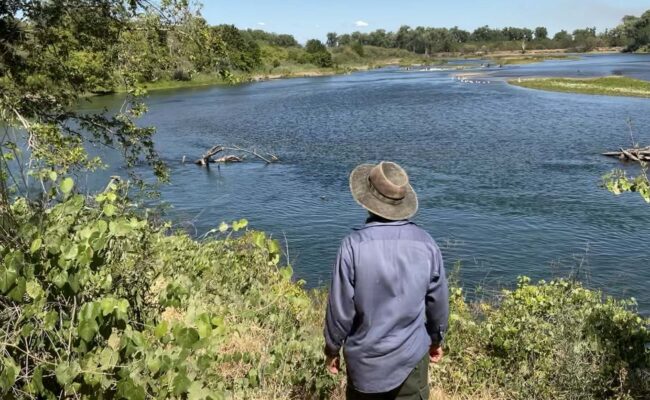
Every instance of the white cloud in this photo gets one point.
(361, 23)
(261, 23)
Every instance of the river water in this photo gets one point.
(508, 178)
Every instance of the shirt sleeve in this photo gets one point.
(340, 305)
(437, 300)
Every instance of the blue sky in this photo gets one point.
(314, 18)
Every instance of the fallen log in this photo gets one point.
(207, 157)
(638, 154)
(228, 159)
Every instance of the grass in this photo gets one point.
(523, 59)
(609, 86)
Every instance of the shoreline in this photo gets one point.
(515, 57)
(619, 86)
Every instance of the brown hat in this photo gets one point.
(384, 190)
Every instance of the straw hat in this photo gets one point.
(384, 190)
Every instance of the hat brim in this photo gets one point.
(363, 195)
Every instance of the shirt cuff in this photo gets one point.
(331, 351)
(437, 338)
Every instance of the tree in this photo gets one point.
(541, 33)
(459, 35)
(357, 47)
(284, 40)
(486, 34)
(314, 46)
(404, 38)
(318, 54)
(563, 39)
(243, 53)
(637, 30)
(332, 39)
(344, 40)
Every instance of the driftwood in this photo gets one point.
(207, 157)
(638, 154)
(230, 158)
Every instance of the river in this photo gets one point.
(508, 178)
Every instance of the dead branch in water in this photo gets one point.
(638, 154)
(207, 157)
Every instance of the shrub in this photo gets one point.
(555, 340)
(97, 302)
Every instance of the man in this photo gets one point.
(388, 302)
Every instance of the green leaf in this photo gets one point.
(18, 291)
(87, 329)
(69, 251)
(223, 227)
(120, 227)
(60, 279)
(109, 210)
(53, 176)
(66, 185)
(286, 273)
(127, 389)
(241, 224)
(8, 375)
(66, 372)
(34, 289)
(161, 329)
(108, 359)
(186, 337)
(7, 279)
(260, 239)
(36, 384)
(36, 245)
(273, 246)
(153, 364)
(204, 328)
(181, 384)
(197, 392)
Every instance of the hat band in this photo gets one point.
(381, 196)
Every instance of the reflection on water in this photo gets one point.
(508, 178)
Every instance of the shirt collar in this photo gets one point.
(371, 223)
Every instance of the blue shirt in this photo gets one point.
(388, 302)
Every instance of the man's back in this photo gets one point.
(390, 268)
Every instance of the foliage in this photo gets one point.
(618, 182)
(97, 302)
(555, 340)
(243, 53)
(317, 53)
(56, 52)
(638, 32)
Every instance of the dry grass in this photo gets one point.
(610, 86)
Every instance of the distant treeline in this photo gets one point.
(632, 34)
(148, 50)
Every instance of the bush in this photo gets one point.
(181, 75)
(555, 340)
(97, 302)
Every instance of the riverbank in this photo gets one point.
(373, 58)
(200, 80)
(223, 318)
(609, 86)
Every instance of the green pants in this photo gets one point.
(415, 387)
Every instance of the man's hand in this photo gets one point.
(435, 353)
(333, 364)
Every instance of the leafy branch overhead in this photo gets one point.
(53, 54)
